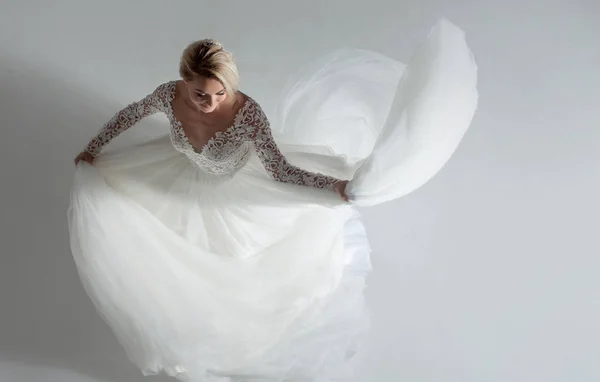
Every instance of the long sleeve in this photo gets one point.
(126, 118)
(272, 159)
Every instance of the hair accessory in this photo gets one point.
(208, 43)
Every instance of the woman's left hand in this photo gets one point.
(340, 189)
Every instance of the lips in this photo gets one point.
(206, 108)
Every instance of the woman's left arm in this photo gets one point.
(275, 163)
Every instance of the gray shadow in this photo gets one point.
(46, 319)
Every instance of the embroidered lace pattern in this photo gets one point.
(226, 152)
(129, 116)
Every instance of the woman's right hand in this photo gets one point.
(340, 189)
(84, 156)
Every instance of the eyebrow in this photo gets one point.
(203, 92)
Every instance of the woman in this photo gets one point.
(206, 268)
(238, 237)
(205, 110)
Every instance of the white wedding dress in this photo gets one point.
(227, 263)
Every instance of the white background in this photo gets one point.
(490, 272)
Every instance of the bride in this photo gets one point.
(217, 254)
(207, 112)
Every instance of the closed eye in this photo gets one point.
(221, 93)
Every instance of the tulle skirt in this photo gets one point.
(203, 276)
(248, 279)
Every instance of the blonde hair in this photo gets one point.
(207, 58)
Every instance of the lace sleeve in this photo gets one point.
(273, 160)
(129, 116)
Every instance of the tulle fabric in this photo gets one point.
(394, 126)
(205, 277)
(247, 279)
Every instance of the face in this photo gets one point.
(206, 93)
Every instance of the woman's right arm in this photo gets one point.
(126, 118)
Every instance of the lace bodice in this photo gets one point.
(226, 152)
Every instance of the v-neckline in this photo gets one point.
(178, 125)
